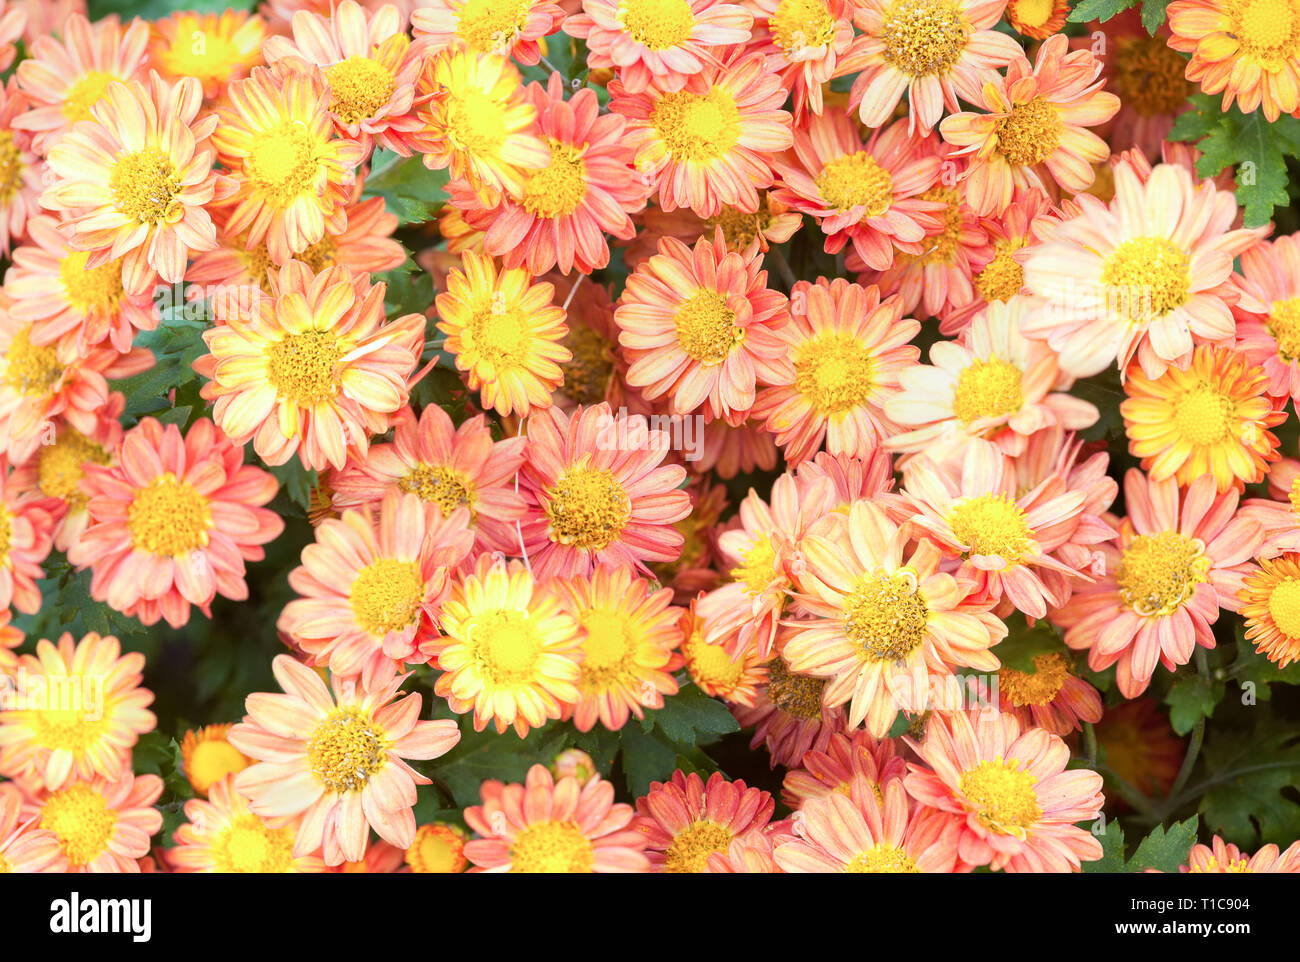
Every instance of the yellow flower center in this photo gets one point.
(11, 166)
(499, 334)
(1150, 76)
(303, 368)
(91, 289)
(31, 369)
(346, 749)
(706, 327)
(507, 646)
(587, 508)
(322, 254)
(436, 850)
(169, 518)
(59, 465)
(85, 93)
(882, 858)
(885, 616)
(1268, 30)
(656, 24)
(1003, 796)
(587, 374)
(386, 595)
(738, 227)
(1284, 326)
(1149, 277)
(942, 247)
(856, 180)
(992, 524)
(609, 650)
(445, 487)
(1236, 867)
(248, 845)
(1002, 278)
(697, 127)
(760, 566)
(144, 185)
(1030, 133)
(215, 60)
(359, 87)
(491, 26)
(690, 849)
(476, 123)
(1284, 606)
(82, 820)
(1203, 414)
(799, 24)
(924, 37)
(552, 847)
(1158, 572)
(557, 189)
(212, 760)
(835, 372)
(710, 665)
(69, 729)
(1030, 13)
(797, 695)
(987, 388)
(1037, 687)
(285, 164)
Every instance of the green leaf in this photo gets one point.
(690, 714)
(1244, 798)
(647, 757)
(1153, 14)
(1112, 850)
(410, 190)
(1018, 649)
(1254, 672)
(1099, 10)
(1165, 849)
(296, 480)
(1255, 148)
(1190, 699)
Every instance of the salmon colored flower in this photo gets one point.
(1049, 697)
(1003, 277)
(173, 521)
(10, 639)
(439, 848)
(1037, 19)
(101, 825)
(1268, 312)
(20, 168)
(221, 834)
(25, 536)
(803, 41)
(13, 23)
(728, 450)
(846, 758)
(1270, 605)
(772, 223)
(1226, 858)
(214, 48)
(712, 667)
(685, 819)
(552, 825)
(207, 757)
(337, 759)
(513, 29)
(789, 718)
(24, 847)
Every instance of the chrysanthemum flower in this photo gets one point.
(337, 759)
(803, 41)
(1268, 312)
(1225, 858)
(276, 137)
(749, 854)
(172, 523)
(25, 847)
(508, 651)
(214, 48)
(80, 716)
(870, 194)
(221, 834)
(1179, 560)
(664, 42)
(102, 825)
(65, 79)
(1018, 802)
(707, 145)
(713, 669)
(848, 350)
(879, 628)
(1034, 133)
(772, 223)
(1037, 19)
(598, 498)
(312, 368)
(514, 29)
(207, 757)
(789, 717)
(1049, 697)
(370, 585)
(846, 758)
(548, 825)
(686, 819)
(1141, 277)
(1270, 605)
(25, 536)
(1279, 513)
(20, 169)
(702, 327)
(934, 50)
(439, 848)
(370, 67)
(1211, 418)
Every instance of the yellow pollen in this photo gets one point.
(93, 289)
(710, 664)
(476, 123)
(689, 851)
(797, 25)
(303, 368)
(499, 334)
(85, 93)
(885, 616)
(1284, 606)
(1236, 867)
(993, 525)
(69, 729)
(506, 646)
(924, 37)
(11, 167)
(1031, 13)
(587, 374)
(1267, 30)
(856, 180)
(1003, 796)
(697, 127)
(82, 820)
(212, 760)
(31, 369)
(609, 650)
(386, 595)
(987, 388)
(359, 87)
(1294, 497)
(1203, 414)
(1030, 133)
(445, 487)
(437, 849)
(797, 695)
(656, 24)
(322, 254)
(552, 847)
(248, 845)
(169, 518)
(346, 749)
(1145, 278)
(557, 189)
(706, 327)
(285, 163)
(1038, 687)
(1284, 326)
(882, 858)
(587, 508)
(1150, 76)
(738, 227)
(835, 372)
(760, 566)
(1002, 278)
(491, 26)
(1158, 572)
(144, 185)
(941, 248)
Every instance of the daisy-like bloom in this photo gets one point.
(879, 629)
(1279, 513)
(221, 834)
(25, 537)
(1270, 605)
(1225, 858)
(772, 223)
(370, 585)
(994, 384)
(81, 710)
(1248, 50)
(701, 326)
(1049, 697)
(629, 633)
(1140, 746)
(505, 332)
(1141, 277)
(512, 29)
(599, 493)
(934, 50)
(20, 169)
(208, 757)
(848, 349)
(276, 137)
(664, 42)
(708, 144)
(1211, 418)
(685, 819)
(847, 758)
(313, 368)
(803, 41)
(549, 825)
(1017, 802)
(370, 67)
(132, 185)
(65, 79)
(508, 649)
(1033, 132)
(102, 825)
(25, 848)
(213, 48)
(1268, 312)
(1179, 559)
(452, 467)
(860, 832)
(172, 523)
(712, 667)
(439, 848)
(788, 717)
(1037, 19)
(476, 120)
(337, 759)
(870, 194)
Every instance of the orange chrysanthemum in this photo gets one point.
(222, 834)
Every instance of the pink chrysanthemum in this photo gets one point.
(685, 819)
(1221, 857)
(24, 846)
(845, 759)
(1268, 312)
(514, 29)
(803, 41)
(101, 825)
(20, 169)
(1049, 697)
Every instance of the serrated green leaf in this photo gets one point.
(1112, 850)
(1244, 798)
(296, 480)
(647, 757)
(1153, 14)
(1190, 699)
(1165, 849)
(1256, 671)
(1099, 10)
(1022, 644)
(690, 716)
(410, 190)
(1254, 148)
